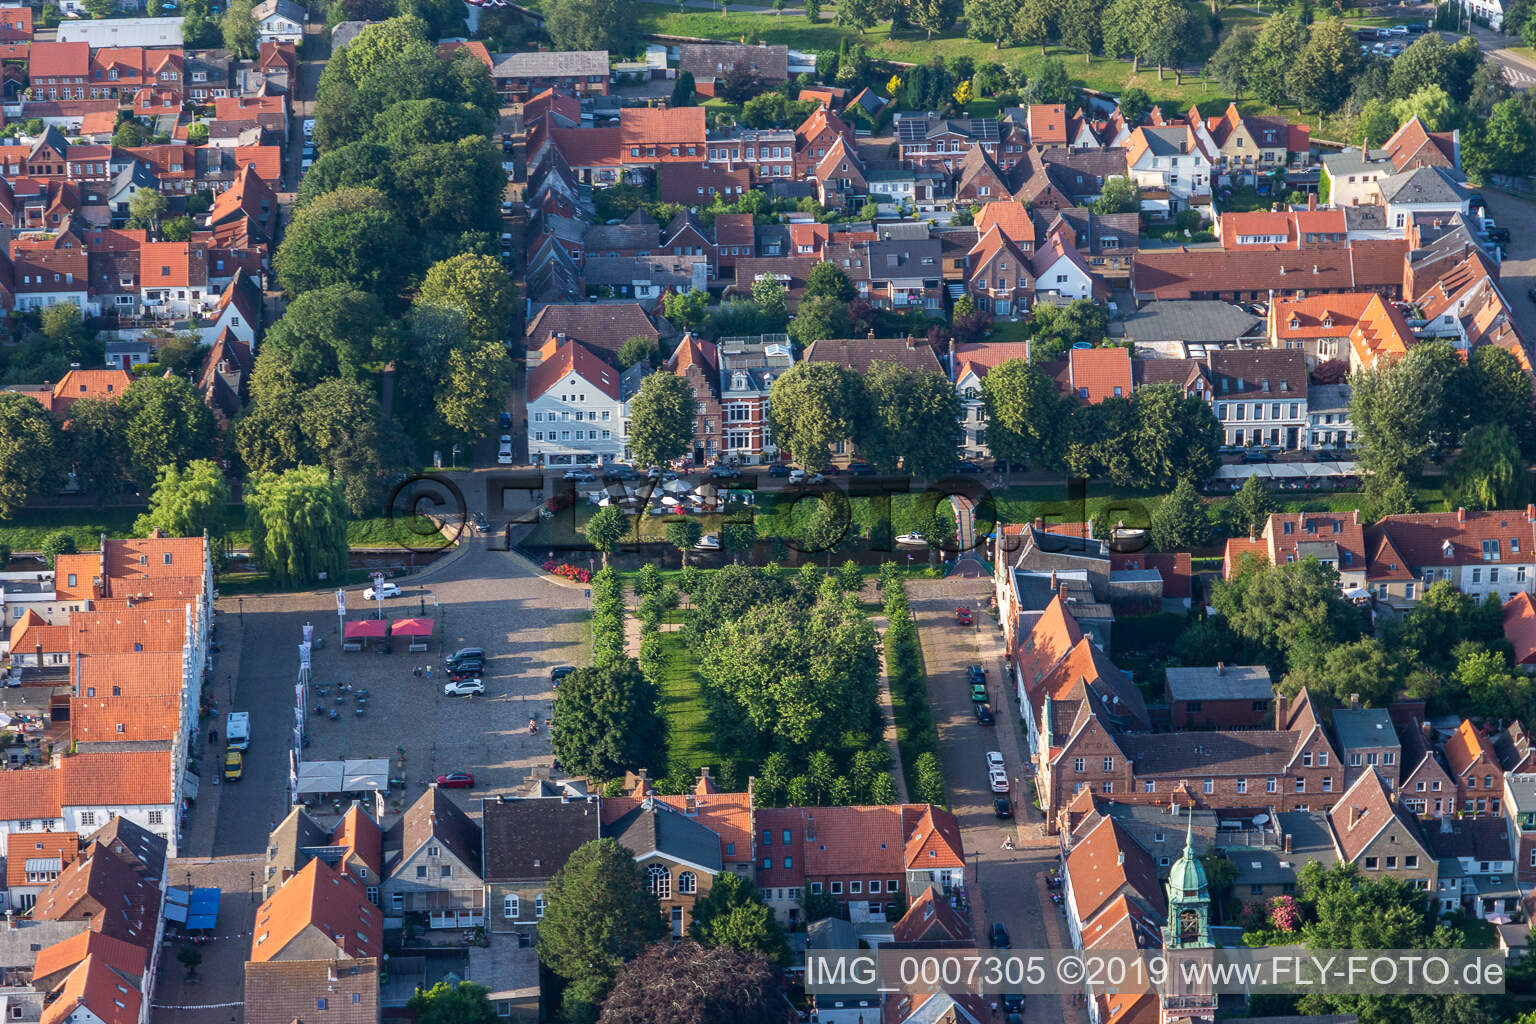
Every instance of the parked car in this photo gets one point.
(464, 654)
(504, 420)
(861, 469)
(724, 473)
(1002, 807)
(998, 777)
(581, 476)
(983, 714)
(1013, 1001)
(976, 673)
(619, 471)
(708, 542)
(979, 693)
(234, 766)
(967, 466)
(464, 687)
(1499, 235)
(657, 473)
(995, 760)
(1000, 935)
(963, 615)
(457, 780)
(559, 672)
(309, 127)
(504, 451)
(383, 592)
(480, 523)
(800, 476)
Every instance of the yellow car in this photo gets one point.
(234, 764)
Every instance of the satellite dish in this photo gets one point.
(1259, 819)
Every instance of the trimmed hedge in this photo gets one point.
(915, 732)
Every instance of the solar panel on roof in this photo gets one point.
(984, 129)
(912, 130)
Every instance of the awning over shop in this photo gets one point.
(203, 910)
(366, 629)
(362, 775)
(1286, 470)
(411, 627)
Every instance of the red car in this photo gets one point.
(457, 780)
(963, 615)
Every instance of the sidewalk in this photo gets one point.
(202, 823)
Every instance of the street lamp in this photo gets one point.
(456, 451)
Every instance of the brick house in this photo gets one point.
(1472, 762)
(748, 368)
(1336, 540)
(1376, 834)
(524, 842)
(997, 275)
(1425, 787)
(1367, 739)
(1319, 325)
(697, 361)
(1260, 397)
(1480, 553)
(1223, 697)
(318, 914)
(518, 76)
(679, 856)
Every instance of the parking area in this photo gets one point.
(1518, 272)
(1006, 885)
(526, 623)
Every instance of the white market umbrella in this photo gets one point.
(676, 487)
(670, 501)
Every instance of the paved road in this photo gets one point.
(1521, 71)
(1518, 272)
(1005, 885)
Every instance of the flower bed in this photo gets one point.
(566, 570)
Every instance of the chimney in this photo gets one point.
(1062, 591)
(1311, 200)
(1285, 843)
(911, 343)
(870, 335)
(1221, 668)
(1530, 513)
(1053, 579)
(1357, 517)
(1354, 702)
(1282, 705)
(1461, 516)
(1039, 523)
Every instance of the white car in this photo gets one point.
(708, 542)
(382, 592)
(999, 779)
(468, 688)
(800, 476)
(995, 761)
(912, 540)
(309, 128)
(579, 475)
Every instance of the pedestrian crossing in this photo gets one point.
(1518, 76)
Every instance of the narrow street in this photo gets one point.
(1004, 885)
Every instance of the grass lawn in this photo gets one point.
(689, 743)
(25, 530)
(1009, 330)
(1480, 934)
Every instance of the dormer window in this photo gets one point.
(1327, 321)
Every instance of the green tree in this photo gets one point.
(1059, 328)
(805, 676)
(474, 389)
(1077, 22)
(1430, 60)
(771, 298)
(1135, 105)
(1366, 668)
(145, 209)
(930, 779)
(1249, 509)
(1274, 51)
(734, 914)
(478, 287)
(606, 528)
(1292, 610)
(1377, 122)
(1488, 473)
(1166, 37)
(688, 310)
(1180, 521)
(1432, 105)
(1493, 690)
(298, 524)
(379, 43)
(1388, 494)
(1120, 195)
(335, 331)
(738, 538)
(661, 419)
(185, 503)
(1026, 414)
(238, 27)
(683, 533)
(682, 90)
(344, 427)
(932, 15)
(1177, 436)
(166, 424)
(596, 25)
(1506, 141)
(1396, 408)
(812, 406)
(1321, 76)
(97, 448)
(349, 236)
(855, 14)
(812, 11)
(605, 720)
(914, 420)
(176, 229)
(128, 134)
(819, 318)
(1489, 88)
(463, 1003)
(1497, 390)
(59, 542)
(1032, 25)
(683, 983)
(991, 20)
(639, 349)
(827, 279)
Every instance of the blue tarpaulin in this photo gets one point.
(176, 901)
(203, 910)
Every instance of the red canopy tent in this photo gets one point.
(411, 627)
(365, 629)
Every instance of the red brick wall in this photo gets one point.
(1218, 714)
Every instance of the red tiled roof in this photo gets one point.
(933, 838)
(110, 995)
(1381, 333)
(734, 229)
(268, 161)
(1357, 266)
(589, 147)
(156, 558)
(694, 184)
(1107, 862)
(574, 357)
(1319, 316)
(661, 127)
(1444, 539)
(123, 719)
(359, 833)
(1520, 627)
(15, 24)
(980, 356)
(1047, 123)
(61, 956)
(321, 898)
(60, 60)
(1103, 372)
(1466, 747)
(448, 50)
(21, 847)
(122, 779)
(244, 108)
(1011, 217)
(1054, 635)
